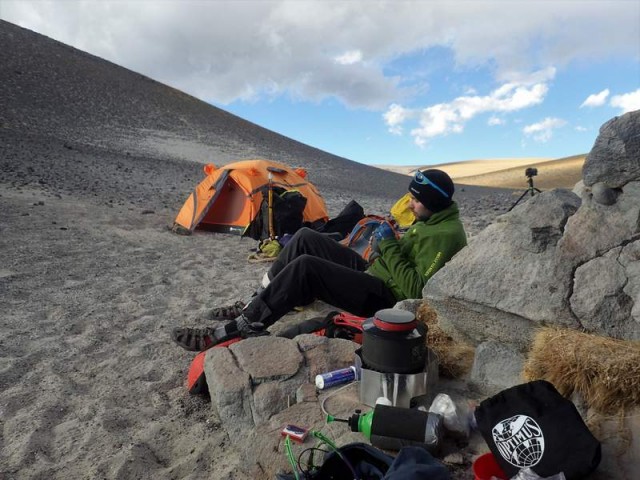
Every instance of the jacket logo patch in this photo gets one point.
(519, 440)
(433, 264)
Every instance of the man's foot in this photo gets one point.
(248, 329)
(228, 312)
(200, 339)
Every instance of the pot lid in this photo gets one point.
(394, 320)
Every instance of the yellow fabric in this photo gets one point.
(401, 212)
(270, 248)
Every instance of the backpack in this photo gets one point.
(361, 237)
(288, 207)
(532, 425)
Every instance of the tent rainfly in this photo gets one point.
(229, 198)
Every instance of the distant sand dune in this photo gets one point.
(509, 172)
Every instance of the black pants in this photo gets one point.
(314, 267)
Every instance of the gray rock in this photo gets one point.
(268, 358)
(306, 393)
(599, 299)
(630, 260)
(595, 228)
(603, 194)
(505, 282)
(264, 446)
(329, 355)
(558, 259)
(230, 390)
(410, 305)
(268, 399)
(615, 156)
(308, 342)
(497, 364)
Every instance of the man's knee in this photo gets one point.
(304, 234)
(305, 263)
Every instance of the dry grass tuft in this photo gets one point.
(605, 371)
(455, 359)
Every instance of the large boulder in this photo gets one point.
(505, 282)
(614, 159)
(559, 259)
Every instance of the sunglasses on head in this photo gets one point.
(422, 179)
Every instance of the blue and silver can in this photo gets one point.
(330, 379)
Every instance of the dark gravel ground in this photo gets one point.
(130, 140)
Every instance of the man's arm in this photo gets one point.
(411, 277)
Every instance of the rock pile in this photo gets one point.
(260, 384)
(569, 259)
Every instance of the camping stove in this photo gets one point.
(396, 368)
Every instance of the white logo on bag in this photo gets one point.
(519, 440)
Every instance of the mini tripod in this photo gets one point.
(530, 173)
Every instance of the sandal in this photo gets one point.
(194, 339)
(229, 312)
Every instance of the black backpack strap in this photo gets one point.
(312, 325)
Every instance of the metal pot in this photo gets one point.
(394, 342)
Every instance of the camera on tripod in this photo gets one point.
(531, 190)
(531, 172)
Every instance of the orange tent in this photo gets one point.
(229, 198)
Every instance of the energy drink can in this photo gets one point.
(330, 379)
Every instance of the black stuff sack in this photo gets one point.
(287, 213)
(364, 462)
(532, 425)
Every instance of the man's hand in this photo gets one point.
(383, 232)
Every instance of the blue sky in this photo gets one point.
(379, 82)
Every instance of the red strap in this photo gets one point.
(349, 320)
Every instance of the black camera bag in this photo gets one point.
(532, 425)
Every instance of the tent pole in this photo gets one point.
(272, 233)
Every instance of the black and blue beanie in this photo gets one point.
(431, 197)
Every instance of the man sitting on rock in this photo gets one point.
(313, 266)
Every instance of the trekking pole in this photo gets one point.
(272, 233)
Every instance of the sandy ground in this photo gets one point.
(91, 284)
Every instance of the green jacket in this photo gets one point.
(405, 265)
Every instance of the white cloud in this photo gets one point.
(580, 128)
(543, 131)
(627, 102)
(226, 50)
(446, 118)
(596, 99)
(395, 116)
(349, 58)
(529, 78)
(493, 121)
